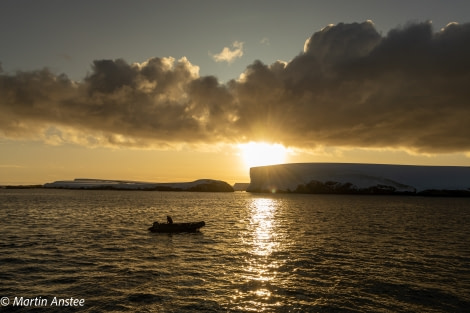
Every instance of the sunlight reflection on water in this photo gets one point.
(262, 210)
(261, 270)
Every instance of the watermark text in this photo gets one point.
(42, 302)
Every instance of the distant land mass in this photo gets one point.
(208, 185)
(20, 186)
(241, 186)
(356, 178)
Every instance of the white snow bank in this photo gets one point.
(402, 178)
(87, 183)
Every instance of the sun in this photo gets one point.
(262, 153)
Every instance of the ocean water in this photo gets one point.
(258, 253)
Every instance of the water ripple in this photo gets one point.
(257, 253)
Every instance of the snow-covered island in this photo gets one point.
(354, 178)
(209, 185)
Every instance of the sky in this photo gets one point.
(176, 90)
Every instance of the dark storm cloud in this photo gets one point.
(353, 87)
(350, 87)
(160, 101)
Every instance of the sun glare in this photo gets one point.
(261, 153)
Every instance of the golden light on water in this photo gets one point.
(261, 266)
(262, 224)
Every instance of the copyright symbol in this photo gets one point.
(4, 301)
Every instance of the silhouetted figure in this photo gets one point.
(169, 219)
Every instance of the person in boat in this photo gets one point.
(169, 219)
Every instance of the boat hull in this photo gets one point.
(177, 227)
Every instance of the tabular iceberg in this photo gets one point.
(356, 178)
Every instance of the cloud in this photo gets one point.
(229, 55)
(265, 41)
(118, 104)
(10, 166)
(349, 87)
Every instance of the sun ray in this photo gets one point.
(262, 153)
